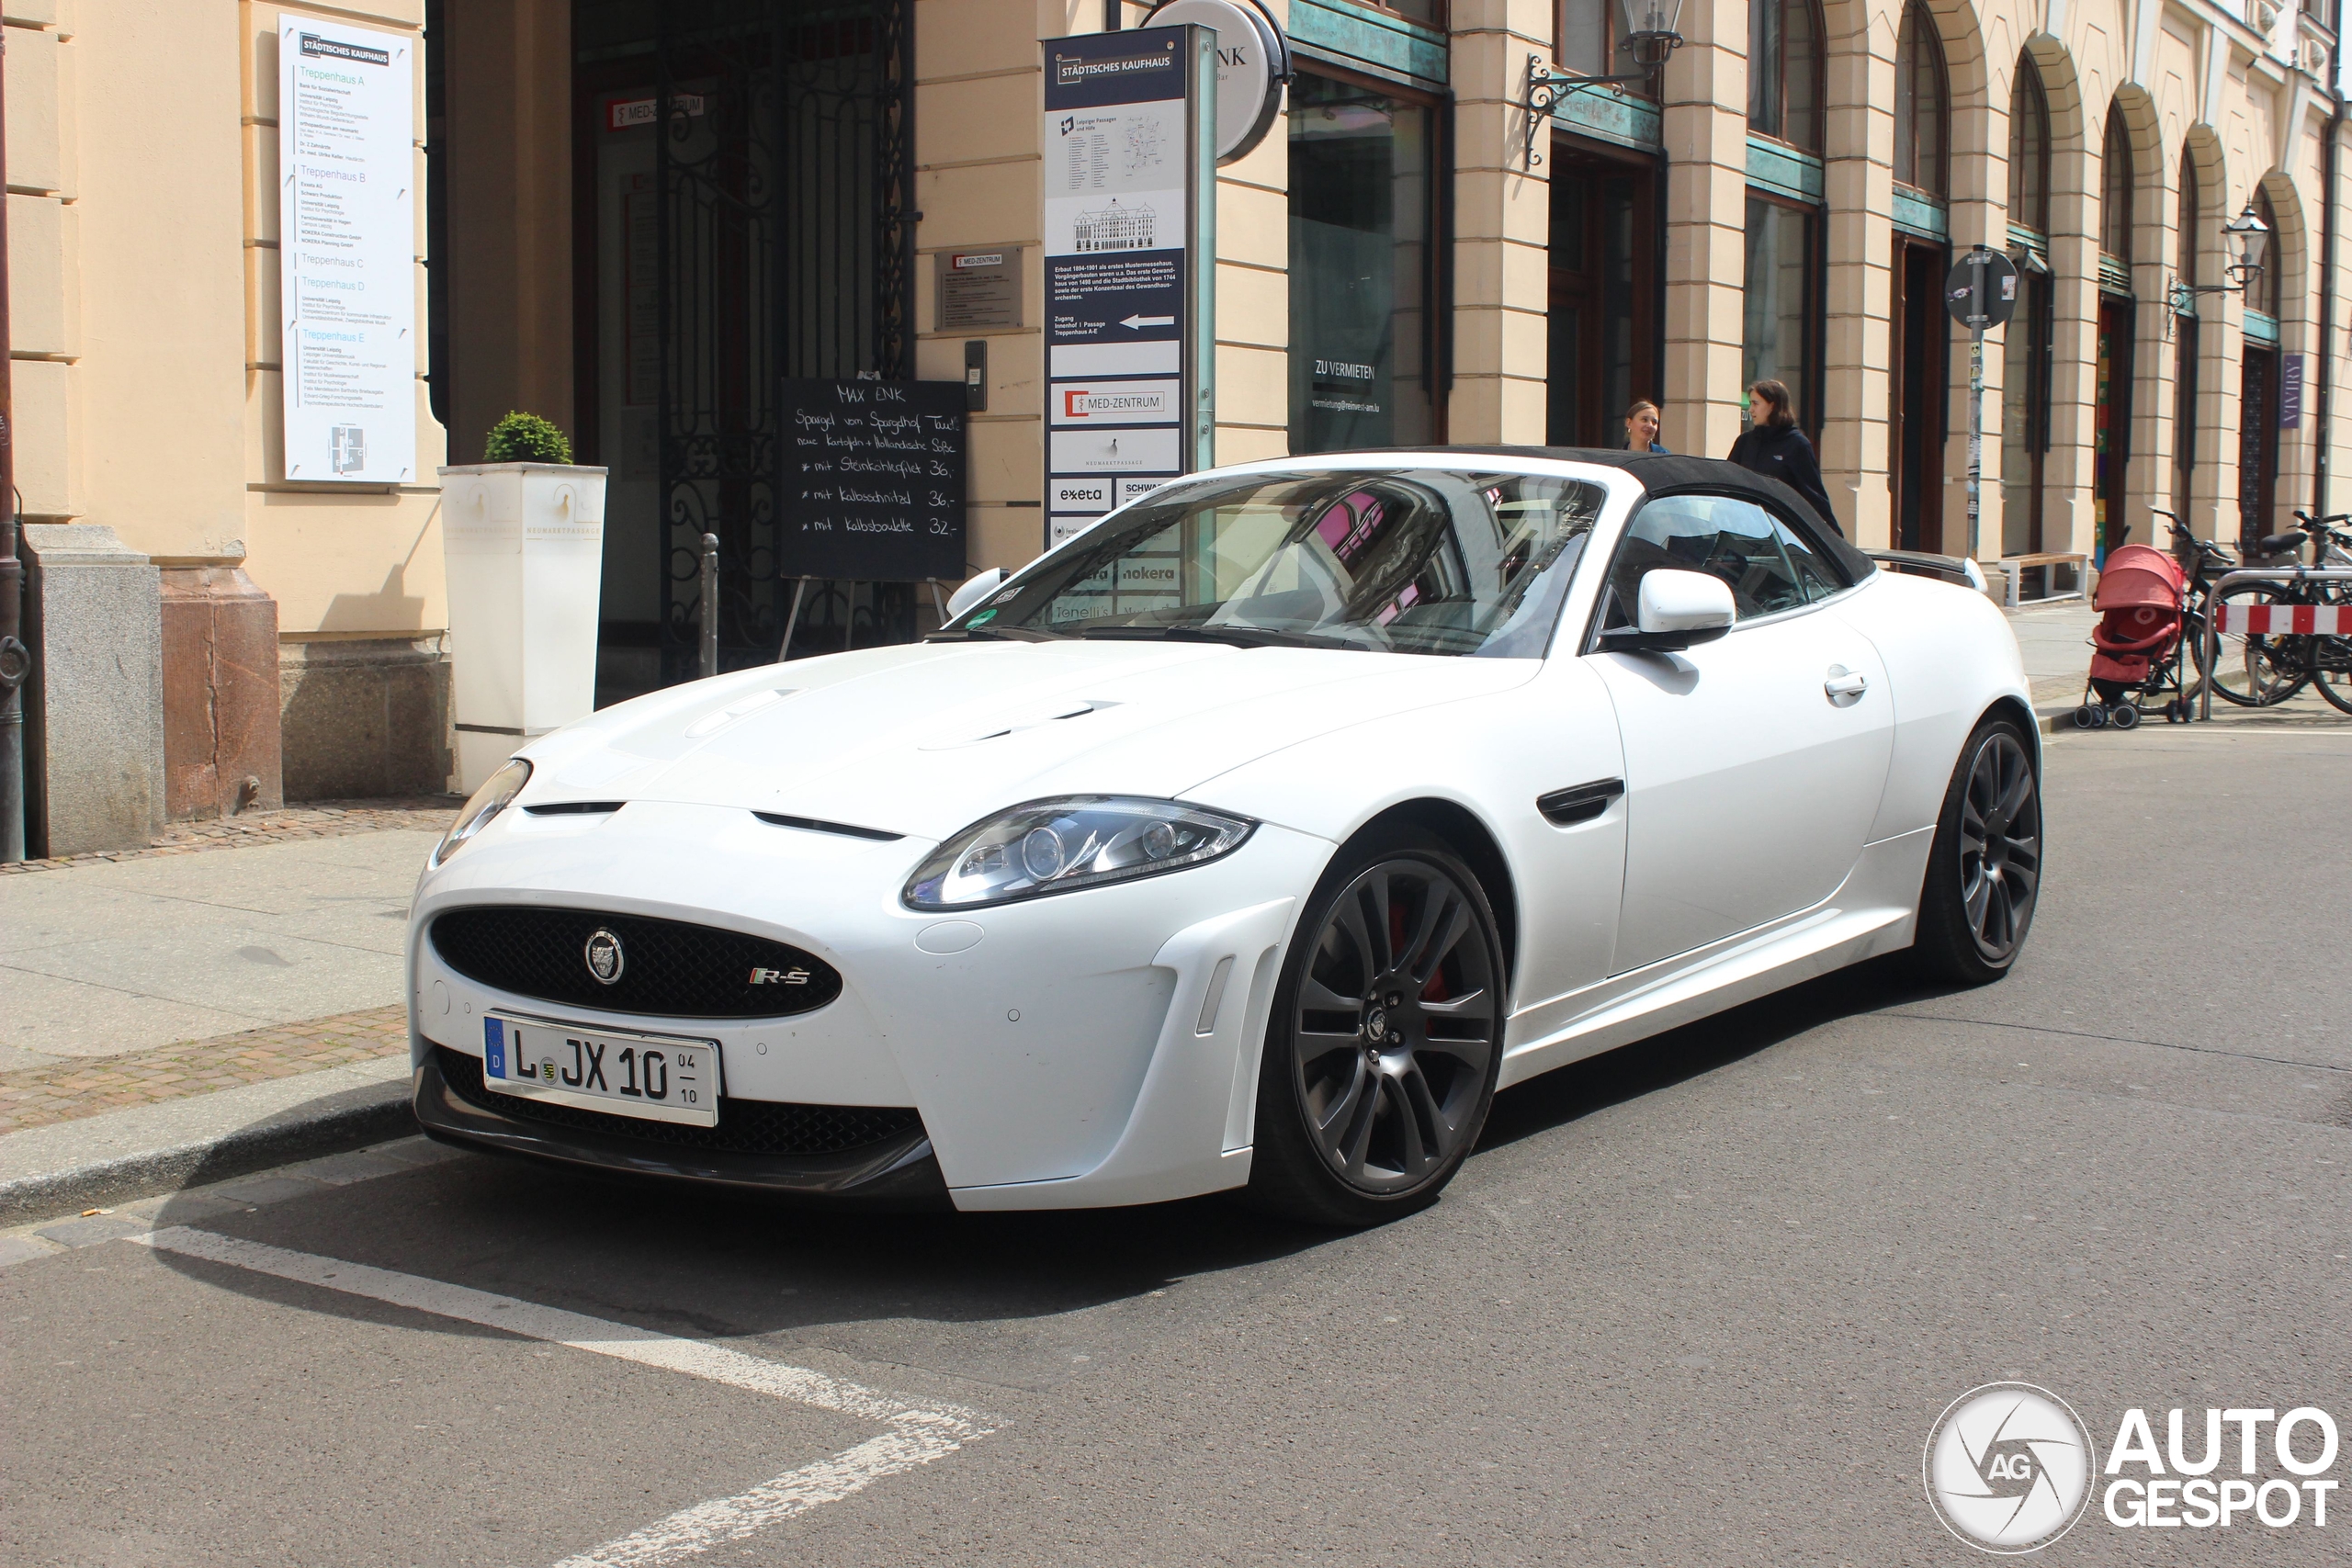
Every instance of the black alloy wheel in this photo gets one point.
(1985, 871)
(1387, 1038)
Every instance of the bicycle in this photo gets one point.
(2251, 670)
(2328, 656)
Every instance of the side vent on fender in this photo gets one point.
(1566, 808)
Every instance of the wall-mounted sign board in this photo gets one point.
(978, 289)
(1130, 257)
(346, 250)
(873, 479)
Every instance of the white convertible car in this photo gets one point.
(1251, 839)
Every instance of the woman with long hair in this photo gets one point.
(1774, 446)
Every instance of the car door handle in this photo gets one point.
(1845, 683)
(1566, 808)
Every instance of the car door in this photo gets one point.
(1754, 763)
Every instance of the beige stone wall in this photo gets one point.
(1502, 211)
(342, 561)
(979, 184)
(142, 261)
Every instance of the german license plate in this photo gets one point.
(658, 1077)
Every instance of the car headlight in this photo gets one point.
(1059, 846)
(496, 794)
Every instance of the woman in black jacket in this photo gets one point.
(1773, 445)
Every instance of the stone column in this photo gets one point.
(2067, 515)
(1706, 197)
(1855, 459)
(1502, 218)
(93, 710)
(1977, 213)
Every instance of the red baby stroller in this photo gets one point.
(2142, 600)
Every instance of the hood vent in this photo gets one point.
(811, 825)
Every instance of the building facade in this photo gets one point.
(639, 215)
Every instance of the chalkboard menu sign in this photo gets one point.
(873, 480)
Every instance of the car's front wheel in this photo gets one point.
(1985, 871)
(1385, 1037)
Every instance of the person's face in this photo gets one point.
(1759, 409)
(1641, 430)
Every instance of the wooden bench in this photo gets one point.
(2014, 567)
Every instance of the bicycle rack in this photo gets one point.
(2213, 603)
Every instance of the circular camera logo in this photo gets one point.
(2009, 1467)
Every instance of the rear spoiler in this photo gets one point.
(1958, 570)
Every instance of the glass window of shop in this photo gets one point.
(1783, 303)
(1784, 71)
(1921, 103)
(1361, 316)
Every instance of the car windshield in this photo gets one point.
(1402, 560)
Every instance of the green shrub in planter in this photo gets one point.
(525, 439)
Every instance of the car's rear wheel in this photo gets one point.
(1385, 1036)
(1985, 871)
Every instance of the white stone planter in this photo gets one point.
(524, 548)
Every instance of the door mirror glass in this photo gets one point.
(1684, 602)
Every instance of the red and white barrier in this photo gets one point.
(2281, 620)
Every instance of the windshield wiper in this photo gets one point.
(1003, 634)
(1235, 636)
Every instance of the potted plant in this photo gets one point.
(523, 538)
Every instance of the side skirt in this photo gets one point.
(1871, 913)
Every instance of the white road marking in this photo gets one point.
(918, 1433)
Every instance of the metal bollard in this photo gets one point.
(710, 605)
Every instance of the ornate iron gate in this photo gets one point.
(785, 248)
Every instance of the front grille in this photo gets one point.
(668, 968)
(745, 1126)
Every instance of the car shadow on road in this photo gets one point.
(693, 1262)
(1571, 1093)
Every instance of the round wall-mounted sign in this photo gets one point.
(1252, 66)
(1981, 289)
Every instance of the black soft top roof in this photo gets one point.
(1666, 473)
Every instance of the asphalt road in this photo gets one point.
(1697, 1302)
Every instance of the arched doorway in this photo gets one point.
(2259, 385)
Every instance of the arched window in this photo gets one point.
(1920, 103)
(1784, 71)
(2116, 188)
(2267, 294)
(2028, 150)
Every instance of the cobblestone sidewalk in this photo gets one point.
(35, 1097)
(326, 820)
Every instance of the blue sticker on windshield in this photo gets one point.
(493, 1047)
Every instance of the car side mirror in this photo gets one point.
(974, 591)
(1675, 609)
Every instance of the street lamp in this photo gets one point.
(1651, 34)
(2248, 240)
